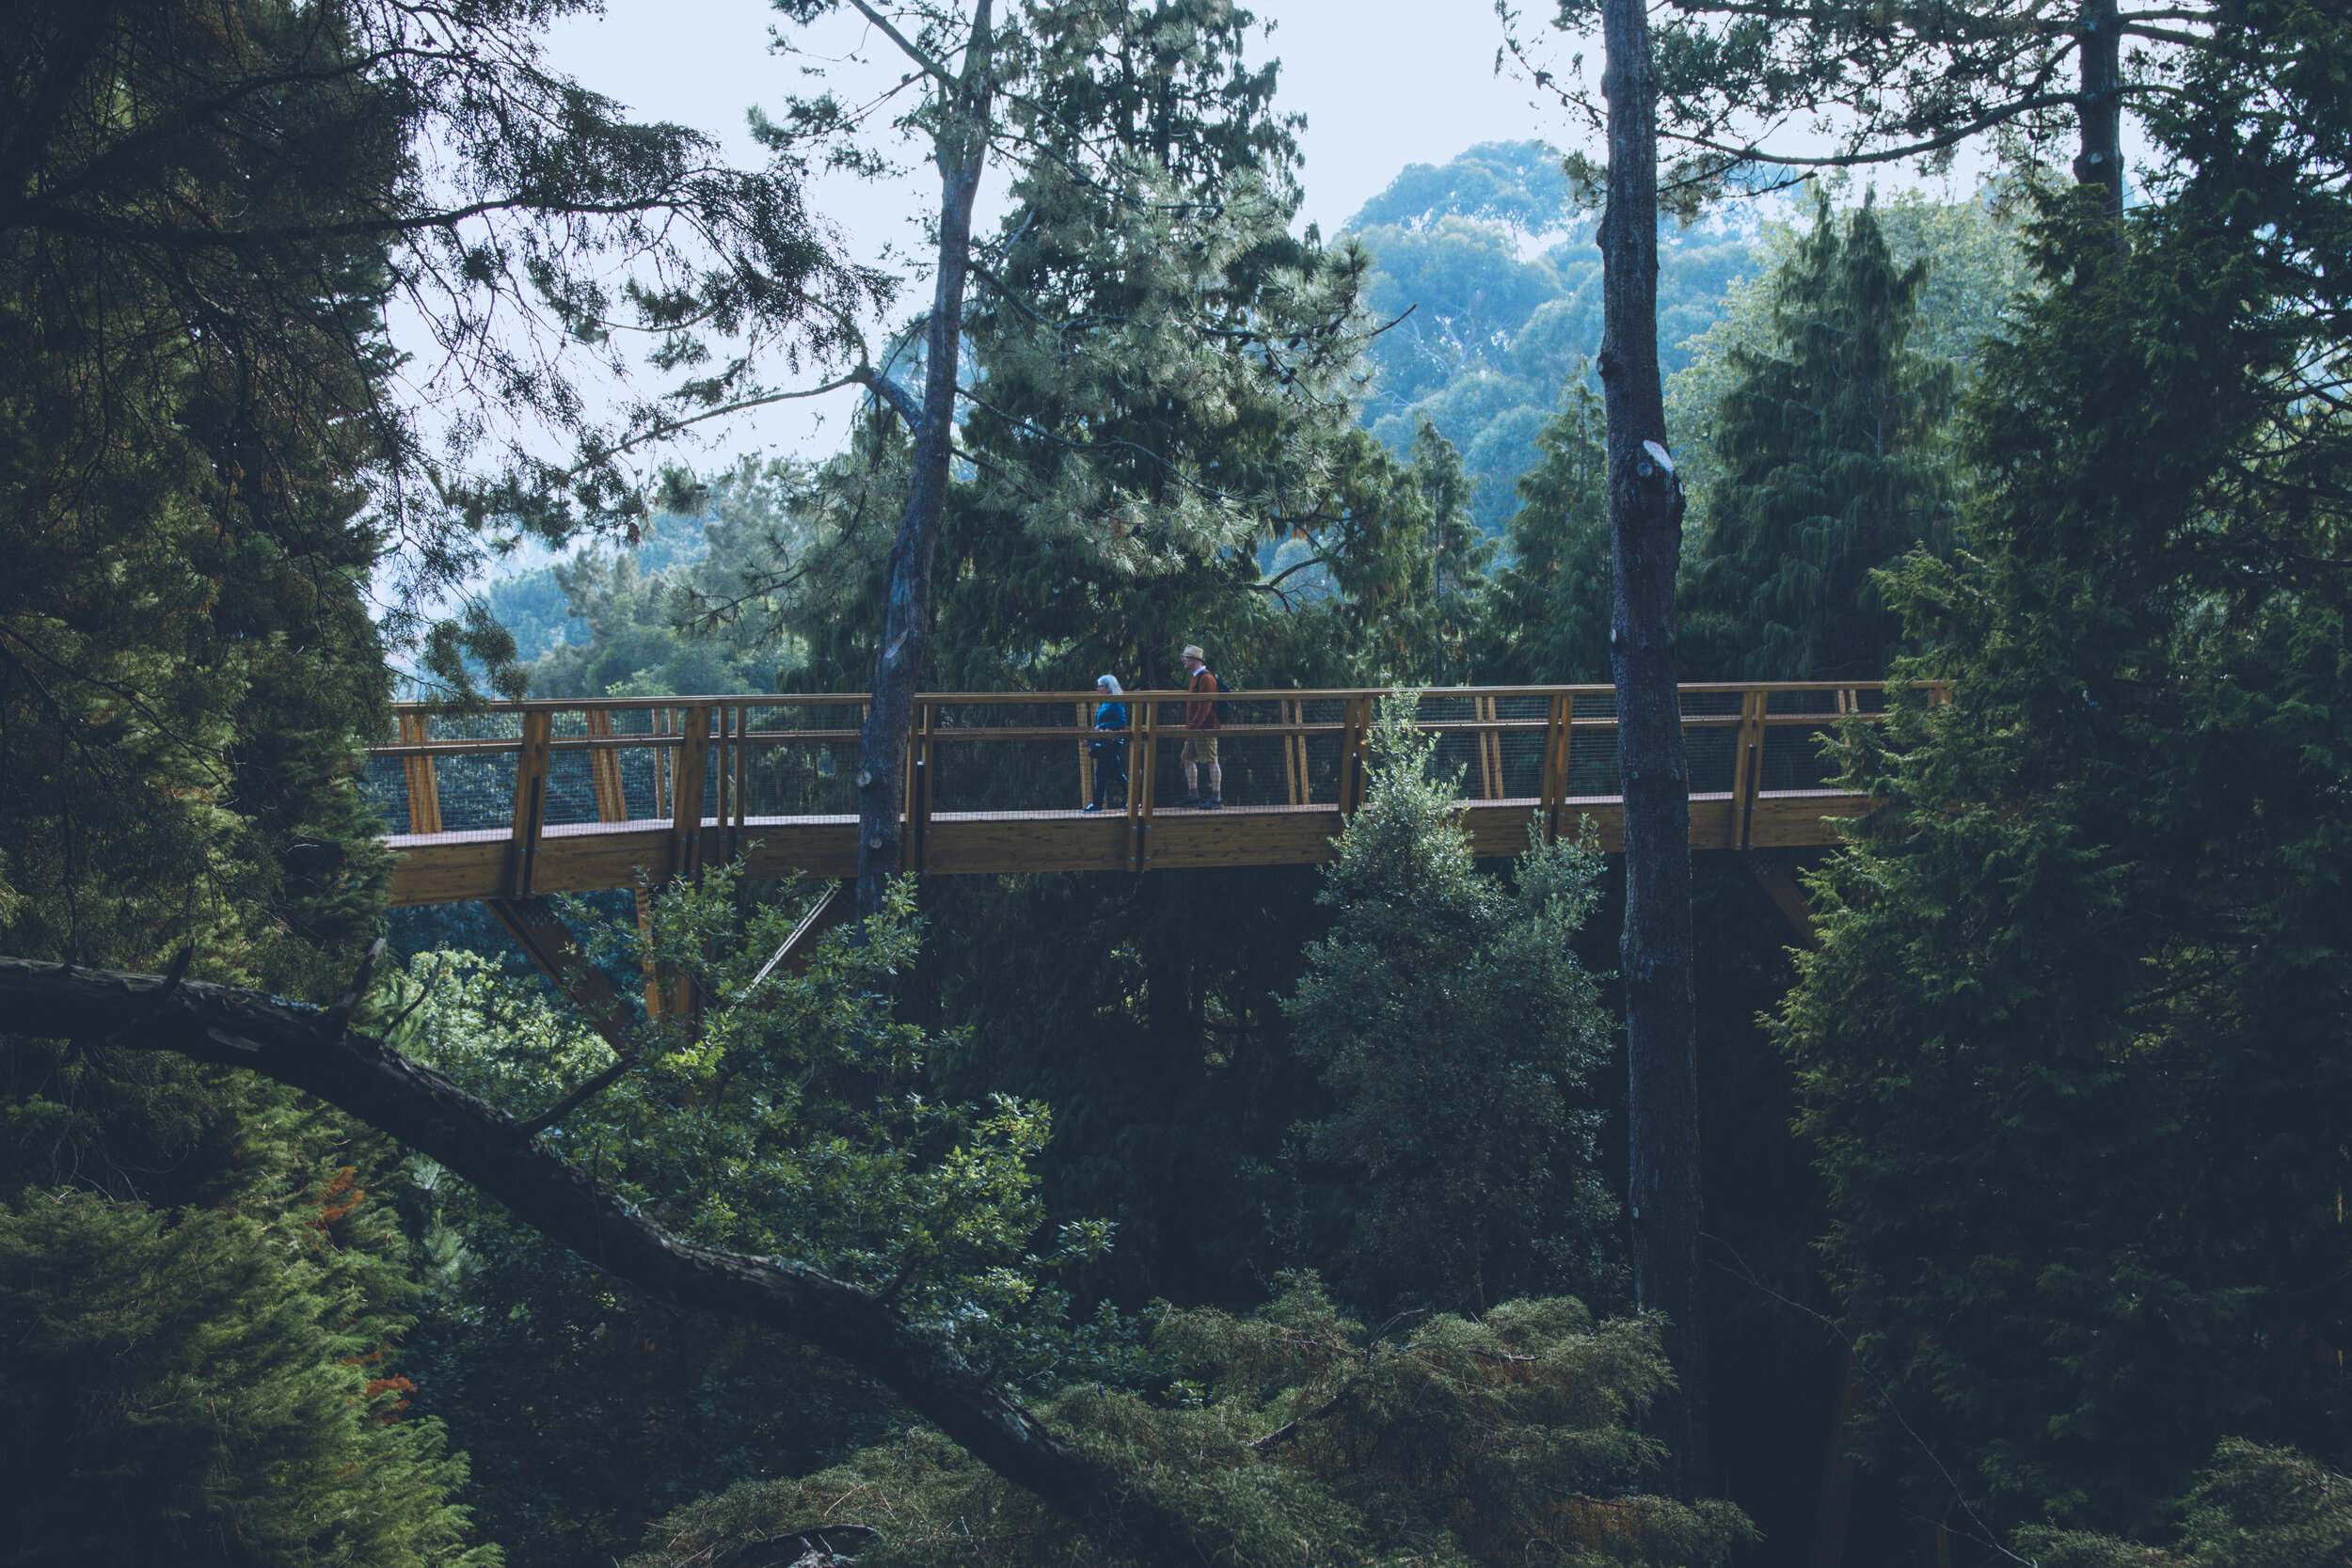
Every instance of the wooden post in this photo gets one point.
(686, 794)
(1747, 775)
(425, 791)
(1143, 771)
(739, 812)
(1085, 762)
(545, 940)
(1353, 760)
(1490, 748)
(1294, 776)
(531, 802)
(604, 769)
(687, 786)
(1555, 785)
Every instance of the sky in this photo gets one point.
(1383, 83)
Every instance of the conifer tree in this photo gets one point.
(1832, 466)
(2070, 1052)
(1549, 619)
(214, 1377)
(1454, 1030)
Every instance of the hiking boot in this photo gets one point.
(1092, 805)
(1213, 802)
(1189, 800)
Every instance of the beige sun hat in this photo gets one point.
(1192, 650)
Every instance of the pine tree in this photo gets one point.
(1832, 466)
(1292, 1437)
(2071, 1052)
(1454, 1030)
(217, 1382)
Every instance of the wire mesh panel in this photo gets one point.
(1712, 749)
(1803, 756)
(384, 785)
(800, 759)
(987, 758)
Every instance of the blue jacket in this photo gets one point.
(1111, 715)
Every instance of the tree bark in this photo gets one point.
(2099, 162)
(1645, 506)
(309, 1049)
(960, 148)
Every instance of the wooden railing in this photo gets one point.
(521, 799)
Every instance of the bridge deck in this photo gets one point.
(522, 800)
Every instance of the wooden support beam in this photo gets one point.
(1143, 786)
(540, 932)
(1352, 747)
(1748, 768)
(687, 784)
(686, 792)
(737, 816)
(836, 906)
(1559, 727)
(531, 801)
(1785, 891)
(1295, 777)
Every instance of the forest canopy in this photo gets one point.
(1302, 1213)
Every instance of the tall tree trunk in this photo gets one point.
(1646, 505)
(960, 146)
(2099, 37)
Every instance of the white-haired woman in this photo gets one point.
(1111, 750)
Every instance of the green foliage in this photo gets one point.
(214, 1384)
(1496, 333)
(1834, 464)
(1549, 619)
(592, 1409)
(1455, 1030)
(1293, 1438)
(186, 651)
(1976, 272)
(2072, 1051)
(2253, 1507)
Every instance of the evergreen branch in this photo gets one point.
(1115, 443)
(1751, 154)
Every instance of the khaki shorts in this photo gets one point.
(1202, 746)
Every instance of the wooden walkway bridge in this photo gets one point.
(520, 800)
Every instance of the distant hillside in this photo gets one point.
(1503, 281)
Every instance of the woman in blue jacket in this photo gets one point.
(1110, 753)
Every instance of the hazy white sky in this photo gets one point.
(1383, 83)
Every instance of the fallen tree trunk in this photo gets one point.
(312, 1049)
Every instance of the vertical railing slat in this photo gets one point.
(424, 786)
(1748, 767)
(531, 801)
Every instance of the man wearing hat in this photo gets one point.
(1200, 728)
